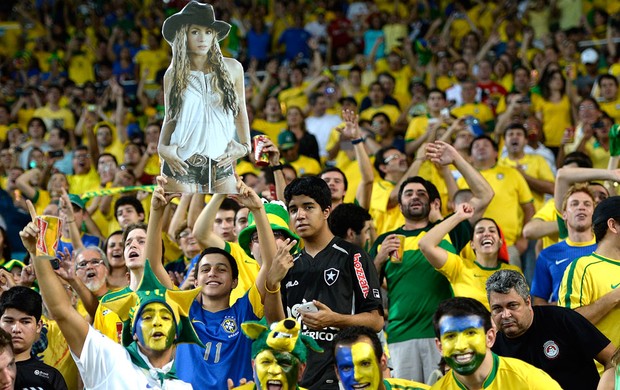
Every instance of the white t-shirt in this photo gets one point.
(103, 364)
(321, 127)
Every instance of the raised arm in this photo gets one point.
(203, 229)
(74, 229)
(429, 244)
(443, 153)
(180, 215)
(153, 250)
(71, 323)
(250, 199)
(568, 176)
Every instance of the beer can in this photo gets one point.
(50, 229)
(397, 255)
(261, 158)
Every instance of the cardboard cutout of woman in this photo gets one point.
(206, 126)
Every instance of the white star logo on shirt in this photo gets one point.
(331, 275)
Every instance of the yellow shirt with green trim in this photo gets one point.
(248, 270)
(403, 384)
(417, 127)
(294, 96)
(469, 279)
(534, 166)
(480, 111)
(41, 200)
(79, 184)
(587, 280)
(306, 166)
(548, 213)
(511, 191)
(63, 117)
(385, 219)
(271, 129)
(391, 111)
(506, 373)
(58, 355)
(598, 154)
(556, 118)
(612, 109)
(108, 322)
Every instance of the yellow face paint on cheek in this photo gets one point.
(365, 364)
(157, 327)
(463, 342)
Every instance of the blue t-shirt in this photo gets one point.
(552, 262)
(87, 240)
(228, 350)
(296, 42)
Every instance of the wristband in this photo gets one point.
(358, 141)
(277, 290)
(278, 167)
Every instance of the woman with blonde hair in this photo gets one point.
(205, 105)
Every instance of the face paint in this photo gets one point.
(357, 366)
(463, 342)
(156, 328)
(276, 369)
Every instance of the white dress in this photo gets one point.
(203, 127)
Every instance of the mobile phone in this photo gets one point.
(525, 100)
(55, 153)
(308, 307)
(55, 263)
(598, 125)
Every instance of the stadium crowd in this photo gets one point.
(437, 203)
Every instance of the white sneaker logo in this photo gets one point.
(558, 262)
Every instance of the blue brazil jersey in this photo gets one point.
(227, 352)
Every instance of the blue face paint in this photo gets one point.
(463, 342)
(459, 324)
(346, 369)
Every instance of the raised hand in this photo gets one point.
(160, 199)
(351, 129)
(282, 262)
(247, 197)
(67, 266)
(6, 280)
(441, 153)
(465, 211)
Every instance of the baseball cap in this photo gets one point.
(76, 200)
(589, 56)
(608, 208)
(286, 140)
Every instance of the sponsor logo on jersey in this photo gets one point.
(360, 274)
(376, 293)
(331, 275)
(558, 262)
(551, 349)
(290, 284)
(42, 374)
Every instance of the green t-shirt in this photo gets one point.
(415, 288)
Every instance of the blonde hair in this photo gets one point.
(221, 83)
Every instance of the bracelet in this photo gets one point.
(70, 221)
(278, 167)
(358, 141)
(277, 290)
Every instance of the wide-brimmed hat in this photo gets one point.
(278, 219)
(194, 13)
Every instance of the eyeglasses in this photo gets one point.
(392, 157)
(276, 234)
(78, 156)
(85, 263)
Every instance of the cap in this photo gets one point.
(278, 219)
(589, 56)
(76, 200)
(286, 140)
(608, 208)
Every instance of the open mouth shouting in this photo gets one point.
(274, 385)
(464, 358)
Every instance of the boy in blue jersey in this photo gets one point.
(227, 351)
(577, 209)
